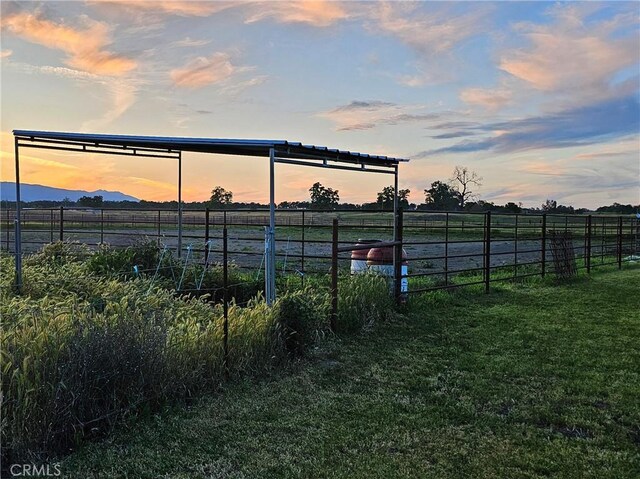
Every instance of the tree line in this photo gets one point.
(456, 194)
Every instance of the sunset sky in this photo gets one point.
(541, 99)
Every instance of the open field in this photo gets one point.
(532, 381)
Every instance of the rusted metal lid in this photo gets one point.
(361, 254)
(384, 256)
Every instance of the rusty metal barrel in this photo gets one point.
(359, 256)
(380, 261)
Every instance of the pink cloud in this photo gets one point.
(84, 47)
(572, 54)
(492, 99)
(204, 71)
(319, 13)
(179, 8)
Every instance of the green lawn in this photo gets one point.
(530, 381)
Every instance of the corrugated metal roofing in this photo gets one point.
(225, 146)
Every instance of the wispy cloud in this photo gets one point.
(122, 94)
(6, 53)
(203, 71)
(364, 115)
(188, 42)
(84, 46)
(188, 8)
(318, 13)
(492, 99)
(598, 123)
(573, 54)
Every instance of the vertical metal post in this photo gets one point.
(515, 250)
(543, 250)
(334, 276)
(61, 232)
(225, 307)
(51, 225)
(101, 225)
(206, 235)
(8, 227)
(302, 254)
(446, 249)
(270, 252)
(395, 209)
(588, 248)
(179, 203)
(619, 242)
(487, 252)
(397, 259)
(17, 230)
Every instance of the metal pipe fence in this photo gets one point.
(445, 249)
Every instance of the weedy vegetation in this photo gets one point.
(92, 341)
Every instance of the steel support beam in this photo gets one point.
(17, 230)
(179, 204)
(270, 250)
(395, 218)
(333, 167)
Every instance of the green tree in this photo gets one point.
(511, 207)
(323, 198)
(385, 198)
(441, 196)
(220, 198)
(90, 201)
(550, 206)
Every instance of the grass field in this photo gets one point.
(530, 381)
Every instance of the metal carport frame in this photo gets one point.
(278, 151)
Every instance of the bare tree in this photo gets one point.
(462, 179)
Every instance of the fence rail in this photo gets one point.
(445, 249)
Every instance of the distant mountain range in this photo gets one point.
(48, 193)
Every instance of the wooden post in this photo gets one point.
(334, 277)
(101, 225)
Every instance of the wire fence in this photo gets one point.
(444, 249)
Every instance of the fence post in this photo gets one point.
(588, 248)
(62, 223)
(397, 263)
(101, 225)
(487, 252)
(302, 253)
(225, 298)
(619, 242)
(206, 235)
(515, 250)
(544, 245)
(334, 276)
(7, 228)
(446, 249)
